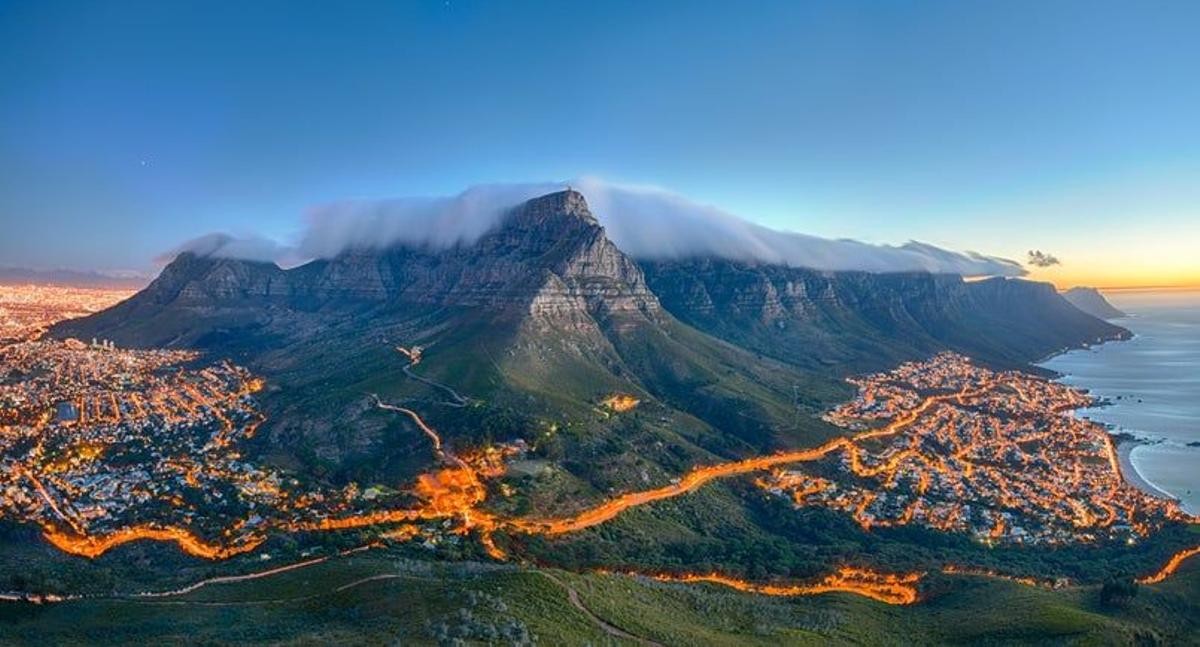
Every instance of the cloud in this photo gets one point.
(650, 223)
(434, 222)
(222, 245)
(1038, 258)
(645, 222)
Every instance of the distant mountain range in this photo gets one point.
(75, 278)
(1092, 302)
(543, 316)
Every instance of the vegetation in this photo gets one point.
(378, 598)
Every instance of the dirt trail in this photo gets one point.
(609, 629)
(414, 358)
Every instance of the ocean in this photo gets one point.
(1153, 381)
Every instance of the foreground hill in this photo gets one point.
(377, 598)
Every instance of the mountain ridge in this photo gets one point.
(544, 316)
(866, 321)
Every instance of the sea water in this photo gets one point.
(1153, 384)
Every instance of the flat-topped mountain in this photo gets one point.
(1092, 302)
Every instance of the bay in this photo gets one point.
(1153, 384)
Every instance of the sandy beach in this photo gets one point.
(1125, 449)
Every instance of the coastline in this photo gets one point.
(1125, 447)
(1159, 371)
(1085, 346)
(1125, 444)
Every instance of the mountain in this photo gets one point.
(541, 318)
(536, 322)
(549, 255)
(1092, 302)
(859, 321)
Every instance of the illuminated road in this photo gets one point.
(425, 429)
(1171, 567)
(889, 589)
(93, 546)
(414, 358)
(996, 575)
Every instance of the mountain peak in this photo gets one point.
(566, 205)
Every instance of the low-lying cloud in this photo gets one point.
(646, 223)
(223, 245)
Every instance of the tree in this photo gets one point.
(1118, 591)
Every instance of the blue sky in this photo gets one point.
(126, 127)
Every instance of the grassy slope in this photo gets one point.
(702, 399)
(310, 607)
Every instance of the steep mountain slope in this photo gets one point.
(1092, 302)
(858, 321)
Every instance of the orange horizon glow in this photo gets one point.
(1149, 288)
(1132, 286)
(1114, 280)
(1120, 274)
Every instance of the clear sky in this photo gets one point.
(1074, 128)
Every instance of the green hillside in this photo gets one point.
(381, 599)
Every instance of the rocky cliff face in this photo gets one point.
(818, 318)
(782, 296)
(549, 258)
(545, 314)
